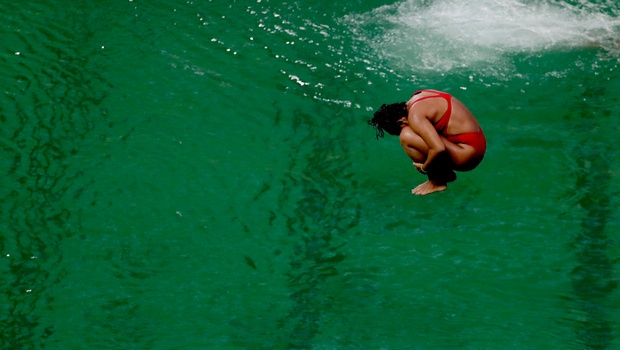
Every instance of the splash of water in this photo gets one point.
(449, 34)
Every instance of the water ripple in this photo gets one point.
(50, 104)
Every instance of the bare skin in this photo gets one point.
(426, 147)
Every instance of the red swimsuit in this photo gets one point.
(474, 139)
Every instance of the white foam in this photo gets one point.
(447, 34)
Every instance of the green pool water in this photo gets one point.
(200, 175)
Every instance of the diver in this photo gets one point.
(437, 132)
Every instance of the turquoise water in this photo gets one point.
(200, 175)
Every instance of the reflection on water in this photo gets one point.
(50, 103)
(321, 222)
(593, 279)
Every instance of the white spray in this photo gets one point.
(448, 34)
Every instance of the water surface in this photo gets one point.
(200, 175)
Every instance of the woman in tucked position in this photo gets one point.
(437, 132)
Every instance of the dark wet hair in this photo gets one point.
(385, 119)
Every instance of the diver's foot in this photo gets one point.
(429, 187)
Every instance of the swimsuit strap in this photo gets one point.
(442, 124)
